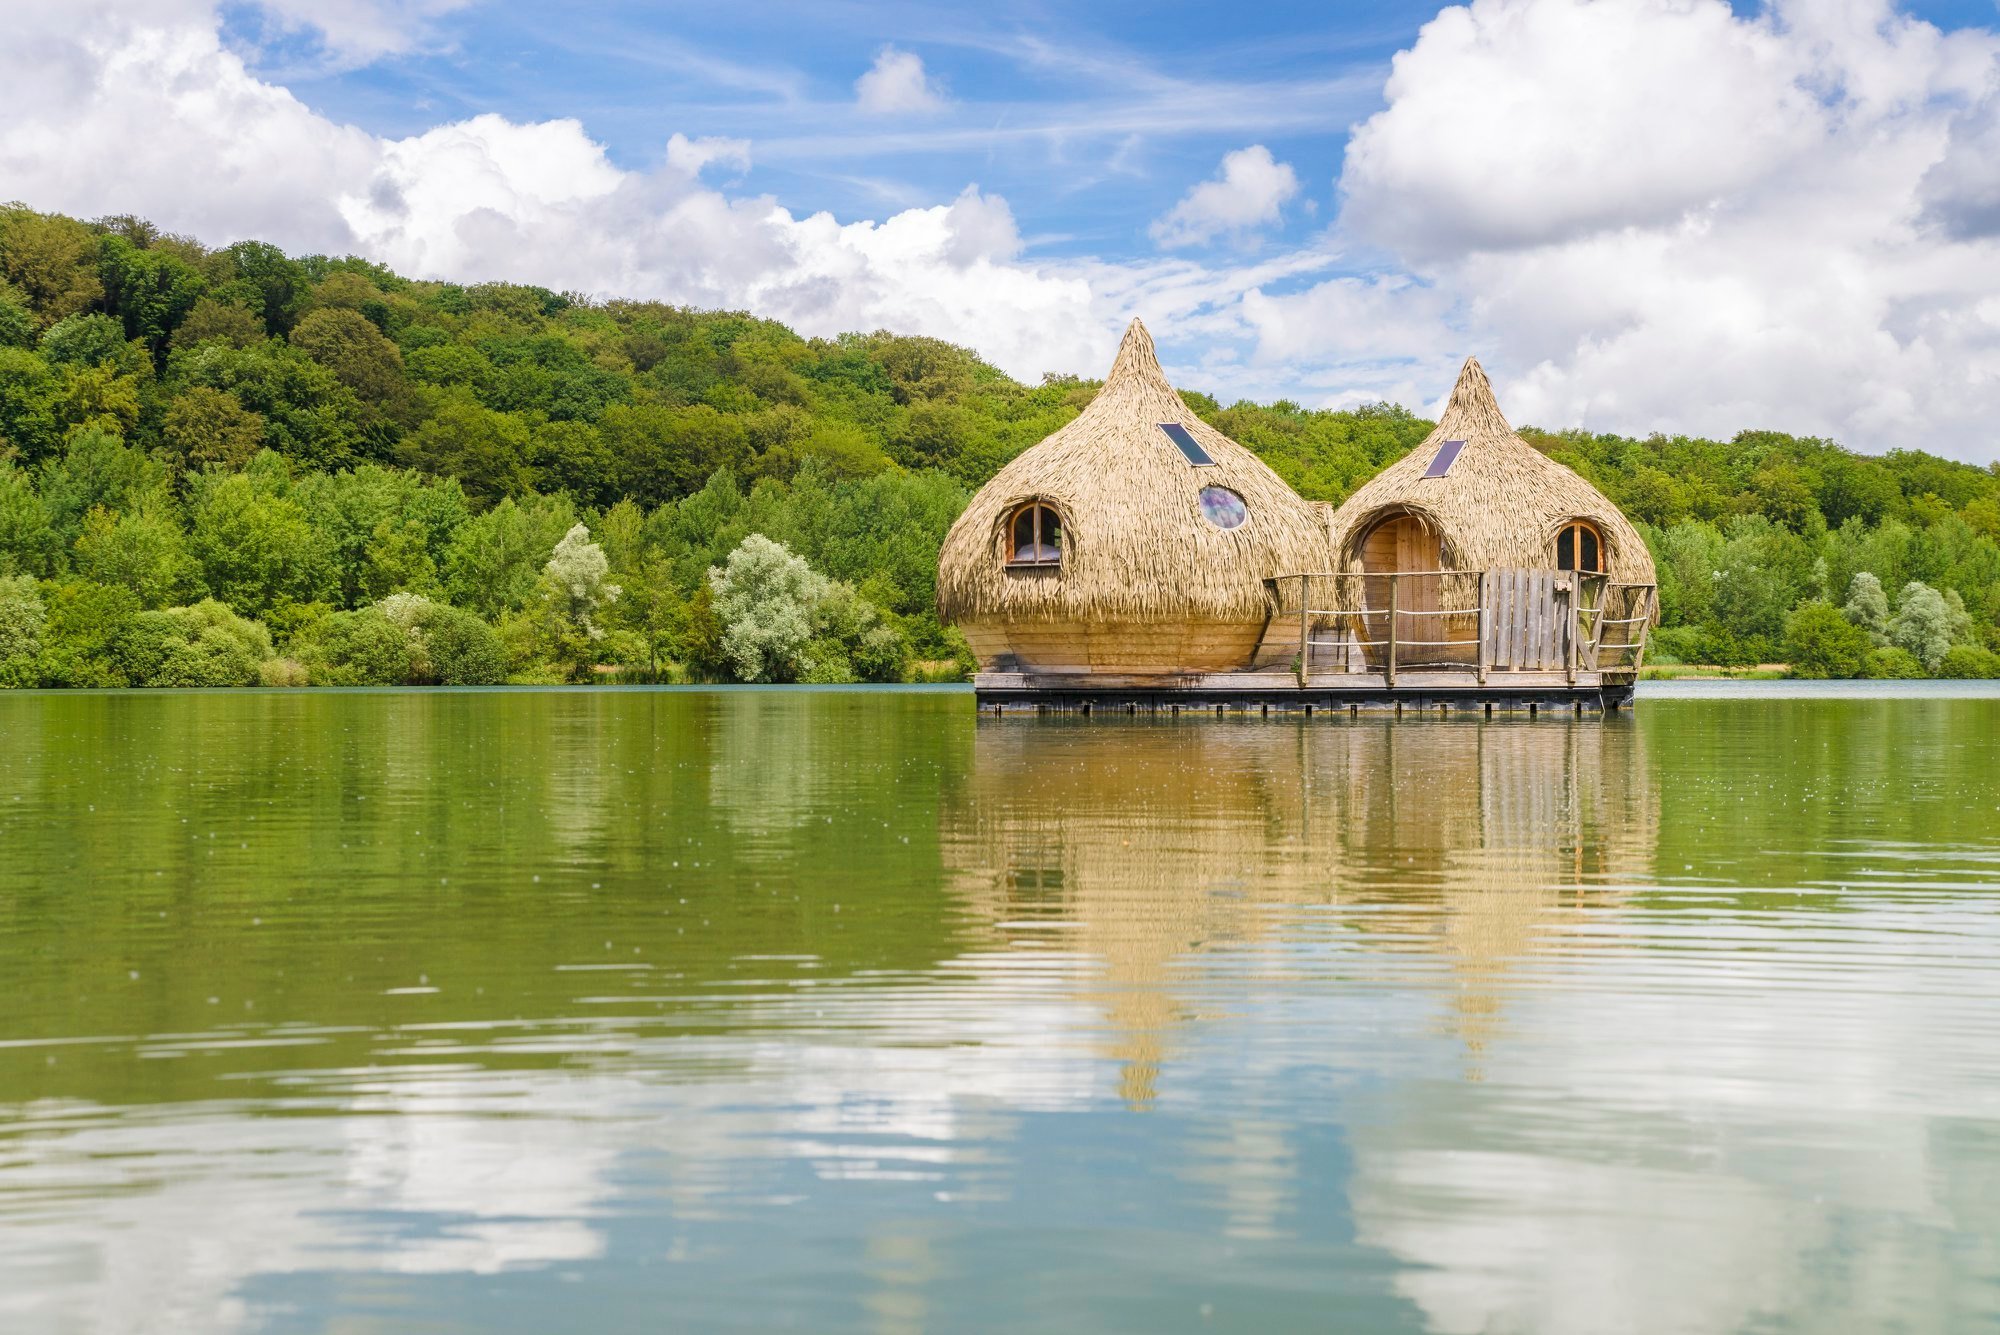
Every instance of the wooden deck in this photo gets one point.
(1513, 640)
(1442, 691)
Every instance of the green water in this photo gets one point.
(843, 1011)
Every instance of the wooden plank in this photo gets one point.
(1480, 634)
(1393, 582)
(1305, 630)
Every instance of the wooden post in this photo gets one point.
(1482, 628)
(1305, 628)
(1645, 625)
(1597, 630)
(1569, 627)
(1391, 660)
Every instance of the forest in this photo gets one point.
(234, 466)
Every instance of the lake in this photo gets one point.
(841, 1010)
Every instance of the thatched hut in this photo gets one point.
(1135, 540)
(1475, 496)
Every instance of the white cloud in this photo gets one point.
(1789, 221)
(355, 32)
(694, 156)
(1250, 191)
(103, 110)
(1660, 216)
(897, 84)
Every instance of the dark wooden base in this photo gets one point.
(1415, 694)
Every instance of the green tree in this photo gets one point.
(83, 640)
(49, 258)
(353, 349)
(765, 598)
(1922, 625)
(255, 545)
(150, 291)
(222, 322)
(486, 451)
(21, 619)
(495, 558)
(141, 549)
(1822, 643)
(17, 322)
(29, 544)
(204, 426)
(574, 590)
(1868, 607)
(651, 612)
(266, 280)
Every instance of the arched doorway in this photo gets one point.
(1403, 544)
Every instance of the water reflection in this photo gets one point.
(1138, 848)
(840, 1010)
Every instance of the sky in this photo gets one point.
(1641, 215)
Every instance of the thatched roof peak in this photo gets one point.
(1472, 410)
(1138, 362)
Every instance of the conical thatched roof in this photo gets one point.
(1135, 543)
(1501, 503)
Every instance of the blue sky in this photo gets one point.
(1091, 124)
(1642, 215)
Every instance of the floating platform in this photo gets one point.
(1415, 692)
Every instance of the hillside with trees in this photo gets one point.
(232, 466)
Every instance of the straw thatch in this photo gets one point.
(1500, 505)
(1136, 548)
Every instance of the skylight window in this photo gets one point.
(1189, 446)
(1446, 456)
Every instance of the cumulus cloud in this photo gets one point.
(897, 85)
(103, 109)
(1250, 190)
(1659, 215)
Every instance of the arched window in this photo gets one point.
(1034, 536)
(1580, 547)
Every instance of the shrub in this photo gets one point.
(1823, 643)
(1968, 662)
(360, 648)
(1893, 664)
(203, 645)
(459, 648)
(282, 672)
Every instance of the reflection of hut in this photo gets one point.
(1136, 539)
(1145, 845)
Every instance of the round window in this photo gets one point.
(1223, 507)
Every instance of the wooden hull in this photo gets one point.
(1153, 648)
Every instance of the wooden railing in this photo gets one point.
(1640, 603)
(1547, 619)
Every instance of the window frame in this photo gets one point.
(1569, 546)
(1008, 547)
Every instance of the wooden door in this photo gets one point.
(1402, 545)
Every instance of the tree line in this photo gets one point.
(232, 465)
